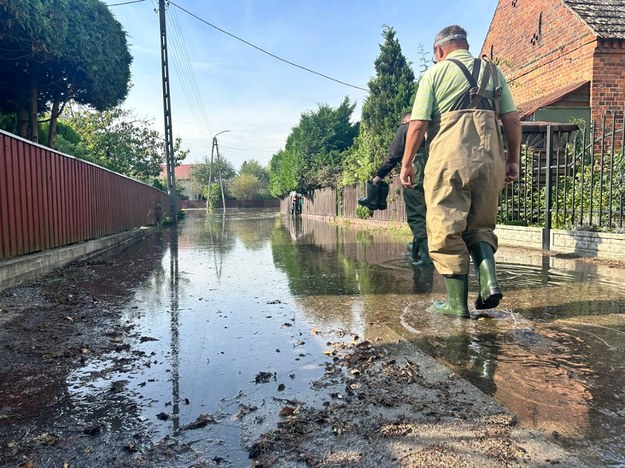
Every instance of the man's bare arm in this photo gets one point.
(512, 130)
(414, 138)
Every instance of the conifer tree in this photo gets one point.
(392, 91)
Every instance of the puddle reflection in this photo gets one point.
(238, 294)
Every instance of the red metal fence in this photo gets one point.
(48, 199)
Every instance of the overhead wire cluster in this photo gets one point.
(265, 51)
(183, 67)
(125, 3)
(184, 70)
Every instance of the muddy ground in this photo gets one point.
(374, 406)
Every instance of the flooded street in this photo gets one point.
(230, 317)
(555, 357)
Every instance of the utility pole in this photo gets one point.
(169, 139)
(171, 191)
(215, 149)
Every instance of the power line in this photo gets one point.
(182, 64)
(265, 51)
(255, 147)
(542, 64)
(188, 81)
(244, 152)
(125, 3)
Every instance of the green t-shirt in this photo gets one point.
(443, 83)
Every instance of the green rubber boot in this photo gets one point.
(382, 194)
(373, 193)
(413, 249)
(424, 254)
(457, 294)
(484, 262)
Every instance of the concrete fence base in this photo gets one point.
(16, 270)
(609, 246)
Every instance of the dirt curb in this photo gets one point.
(48, 327)
(395, 406)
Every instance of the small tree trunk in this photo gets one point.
(56, 105)
(22, 121)
(22, 113)
(34, 122)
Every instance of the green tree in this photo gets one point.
(392, 92)
(254, 168)
(283, 169)
(33, 33)
(119, 141)
(95, 66)
(315, 150)
(7, 122)
(200, 173)
(246, 187)
(54, 51)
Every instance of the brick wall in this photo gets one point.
(540, 45)
(608, 81)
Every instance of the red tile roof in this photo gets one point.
(182, 172)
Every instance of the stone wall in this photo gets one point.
(576, 243)
(609, 246)
(520, 236)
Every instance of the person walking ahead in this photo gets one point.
(413, 197)
(458, 103)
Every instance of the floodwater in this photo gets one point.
(232, 317)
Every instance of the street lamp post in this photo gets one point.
(215, 149)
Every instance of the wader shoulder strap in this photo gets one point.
(478, 97)
(471, 99)
(495, 94)
(471, 78)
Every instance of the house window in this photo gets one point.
(492, 51)
(539, 32)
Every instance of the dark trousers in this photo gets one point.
(414, 199)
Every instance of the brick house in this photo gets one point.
(562, 58)
(183, 180)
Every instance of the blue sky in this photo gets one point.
(220, 83)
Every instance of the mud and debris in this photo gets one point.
(50, 326)
(393, 406)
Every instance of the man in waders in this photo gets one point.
(458, 103)
(414, 200)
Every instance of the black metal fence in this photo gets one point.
(571, 177)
